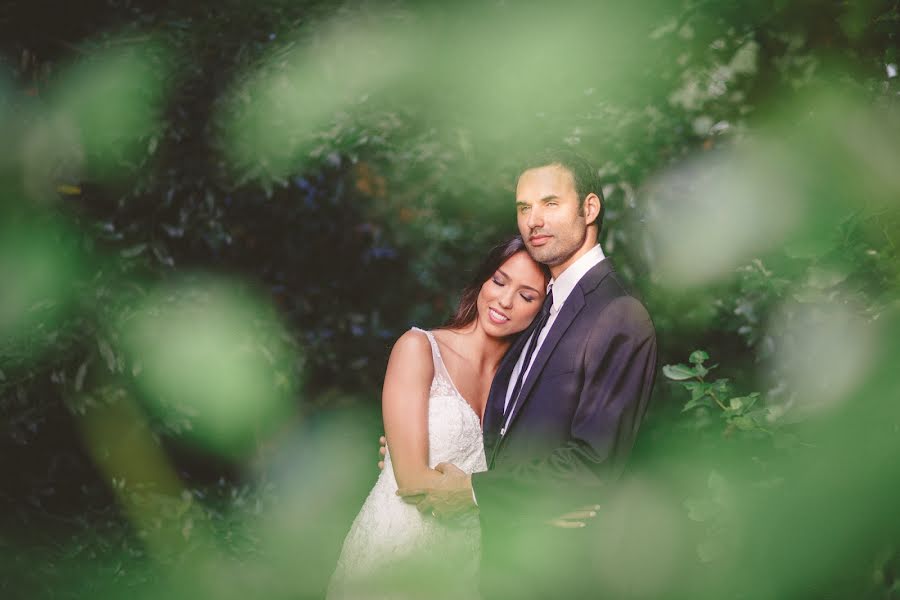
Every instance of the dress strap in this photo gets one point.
(439, 368)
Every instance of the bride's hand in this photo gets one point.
(576, 519)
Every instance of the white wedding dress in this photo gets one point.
(392, 551)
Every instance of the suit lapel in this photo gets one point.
(493, 415)
(572, 306)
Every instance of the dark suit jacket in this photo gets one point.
(577, 416)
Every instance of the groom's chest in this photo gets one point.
(555, 383)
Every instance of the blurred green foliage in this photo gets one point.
(343, 167)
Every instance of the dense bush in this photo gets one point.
(347, 228)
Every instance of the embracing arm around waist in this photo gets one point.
(404, 405)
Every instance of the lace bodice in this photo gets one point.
(454, 430)
(391, 547)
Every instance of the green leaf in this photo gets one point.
(133, 250)
(698, 356)
(162, 255)
(759, 416)
(108, 355)
(79, 376)
(744, 423)
(698, 389)
(678, 372)
(703, 401)
(750, 399)
(739, 405)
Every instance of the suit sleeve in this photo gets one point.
(619, 367)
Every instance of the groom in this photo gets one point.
(566, 402)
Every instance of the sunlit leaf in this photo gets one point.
(678, 372)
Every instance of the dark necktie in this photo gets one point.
(529, 350)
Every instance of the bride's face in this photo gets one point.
(512, 297)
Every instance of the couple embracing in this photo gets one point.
(519, 410)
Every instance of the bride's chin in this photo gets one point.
(494, 329)
(499, 331)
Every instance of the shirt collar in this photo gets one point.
(568, 279)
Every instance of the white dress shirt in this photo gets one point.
(562, 287)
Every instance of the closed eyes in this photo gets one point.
(500, 283)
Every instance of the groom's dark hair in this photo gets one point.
(583, 173)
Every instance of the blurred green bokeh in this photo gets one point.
(278, 108)
(208, 354)
(350, 163)
(787, 187)
(40, 263)
(106, 110)
(494, 81)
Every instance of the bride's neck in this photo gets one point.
(484, 350)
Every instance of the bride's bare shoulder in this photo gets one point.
(412, 346)
(410, 366)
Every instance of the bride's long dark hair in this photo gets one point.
(468, 301)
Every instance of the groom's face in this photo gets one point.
(549, 215)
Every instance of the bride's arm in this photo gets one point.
(404, 404)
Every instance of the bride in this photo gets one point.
(434, 395)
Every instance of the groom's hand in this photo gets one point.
(382, 451)
(575, 519)
(451, 496)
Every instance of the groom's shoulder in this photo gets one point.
(623, 315)
(613, 302)
(627, 308)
